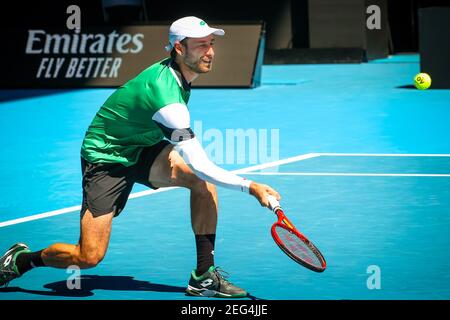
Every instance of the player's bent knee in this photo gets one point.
(184, 176)
(180, 172)
(204, 188)
(90, 260)
(211, 188)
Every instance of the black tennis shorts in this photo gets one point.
(106, 186)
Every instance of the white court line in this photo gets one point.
(383, 154)
(40, 216)
(239, 171)
(149, 192)
(247, 170)
(348, 174)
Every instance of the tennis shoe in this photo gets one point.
(8, 268)
(213, 283)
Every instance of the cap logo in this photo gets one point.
(202, 23)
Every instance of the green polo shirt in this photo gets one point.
(124, 125)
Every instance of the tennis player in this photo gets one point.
(142, 134)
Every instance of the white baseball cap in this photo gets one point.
(190, 27)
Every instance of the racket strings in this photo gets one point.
(297, 247)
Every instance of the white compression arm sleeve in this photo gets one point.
(176, 117)
(194, 155)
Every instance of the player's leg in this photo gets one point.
(91, 249)
(105, 193)
(106, 188)
(92, 246)
(170, 170)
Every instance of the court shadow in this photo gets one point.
(252, 297)
(17, 94)
(408, 86)
(90, 283)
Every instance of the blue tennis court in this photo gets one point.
(362, 162)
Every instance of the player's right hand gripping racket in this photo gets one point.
(293, 243)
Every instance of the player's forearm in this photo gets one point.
(222, 178)
(194, 155)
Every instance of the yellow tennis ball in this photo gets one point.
(422, 81)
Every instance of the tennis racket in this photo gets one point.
(294, 243)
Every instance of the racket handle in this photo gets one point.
(273, 203)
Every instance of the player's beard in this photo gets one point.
(201, 65)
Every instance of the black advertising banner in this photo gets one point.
(91, 57)
(110, 56)
(434, 45)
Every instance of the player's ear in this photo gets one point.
(179, 48)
